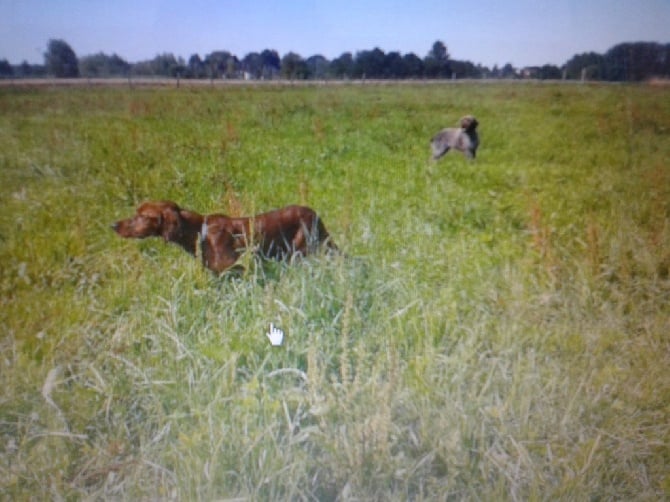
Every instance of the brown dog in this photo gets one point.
(277, 234)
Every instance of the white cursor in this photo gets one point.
(276, 335)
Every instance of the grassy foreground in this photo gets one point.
(499, 330)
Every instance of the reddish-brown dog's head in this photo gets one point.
(162, 219)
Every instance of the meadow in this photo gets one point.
(497, 330)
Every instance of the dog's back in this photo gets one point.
(276, 234)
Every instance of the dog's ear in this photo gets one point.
(171, 223)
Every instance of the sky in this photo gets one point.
(489, 32)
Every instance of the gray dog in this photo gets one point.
(463, 139)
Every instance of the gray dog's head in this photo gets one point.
(469, 123)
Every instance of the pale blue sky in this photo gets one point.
(522, 32)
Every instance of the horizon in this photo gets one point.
(525, 33)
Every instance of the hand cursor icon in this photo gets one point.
(276, 335)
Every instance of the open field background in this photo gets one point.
(500, 330)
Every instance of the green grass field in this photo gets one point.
(499, 329)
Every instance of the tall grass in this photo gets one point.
(497, 329)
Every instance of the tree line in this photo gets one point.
(624, 62)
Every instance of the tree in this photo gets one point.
(370, 64)
(317, 66)
(623, 62)
(167, 65)
(439, 51)
(252, 64)
(163, 65)
(464, 69)
(343, 66)
(483, 71)
(636, 61)
(221, 64)
(60, 60)
(437, 61)
(394, 66)
(550, 72)
(413, 65)
(196, 68)
(508, 71)
(271, 63)
(6, 69)
(588, 65)
(25, 70)
(102, 65)
(294, 67)
(264, 65)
